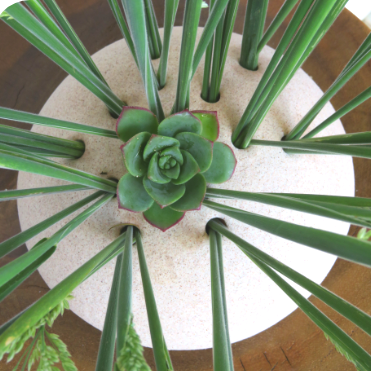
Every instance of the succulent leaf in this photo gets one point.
(164, 194)
(162, 218)
(155, 172)
(180, 122)
(173, 152)
(158, 143)
(172, 173)
(210, 124)
(134, 120)
(131, 194)
(200, 148)
(188, 170)
(193, 196)
(133, 154)
(223, 164)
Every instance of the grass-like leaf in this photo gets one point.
(286, 8)
(191, 19)
(25, 138)
(152, 30)
(21, 193)
(34, 313)
(10, 286)
(21, 161)
(344, 343)
(31, 118)
(124, 300)
(105, 359)
(38, 35)
(19, 239)
(362, 56)
(351, 138)
(319, 19)
(136, 17)
(303, 147)
(261, 92)
(345, 247)
(75, 40)
(222, 352)
(120, 20)
(161, 354)
(256, 12)
(16, 266)
(346, 309)
(171, 7)
(293, 204)
(359, 99)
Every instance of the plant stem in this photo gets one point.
(171, 7)
(346, 247)
(319, 19)
(120, 20)
(359, 99)
(348, 310)
(20, 160)
(152, 29)
(52, 298)
(191, 19)
(352, 138)
(38, 35)
(222, 352)
(8, 195)
(286, 8)
(124, 302)
(19, 239)
(258, 96)
(161, 354)
(256, 12)
(105, 359)
(136, 17)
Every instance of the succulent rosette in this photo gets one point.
(170, 163)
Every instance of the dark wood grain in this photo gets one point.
(27, 78)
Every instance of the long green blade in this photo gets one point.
(191, 19)
(136, 17)
(55, 296)
(75, 40)
(222, 352)
(16, 266)
(19, 239)
(286, 8)
(324, 148)
(10, 159)
(256, 12)
(21, 193)
(293, 204)
(348, 310)
(106, 351)
(31, 118)
(10, 286)
(122, 26)
(38, 35)
(162, 357)
(152, 29)
(343, 342)
(345, 247)
(124, 302)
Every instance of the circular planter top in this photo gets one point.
(25, 71)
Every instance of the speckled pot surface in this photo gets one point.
(178, 259)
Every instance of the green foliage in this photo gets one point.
(131, 355)
(163, 160)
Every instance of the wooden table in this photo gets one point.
(27, 78)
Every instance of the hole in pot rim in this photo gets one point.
(218, 99)
(220, 220)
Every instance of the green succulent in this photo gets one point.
(169, 163)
